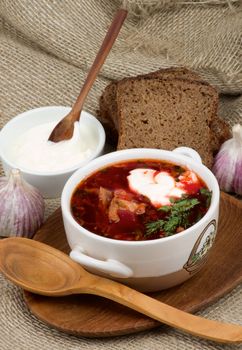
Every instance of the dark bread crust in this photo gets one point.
(110, 129)
(167, 113)
(222, 131)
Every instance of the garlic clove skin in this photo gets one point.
(237, 180)
(21, 206)
(228, 163)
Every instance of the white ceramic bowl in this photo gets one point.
(145, 265)
(49, 183)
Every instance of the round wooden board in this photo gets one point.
(93, 316)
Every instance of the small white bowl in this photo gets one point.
(49, 183)
(149, 265)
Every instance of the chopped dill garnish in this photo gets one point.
(178, 217)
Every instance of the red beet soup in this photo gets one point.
(139, 200)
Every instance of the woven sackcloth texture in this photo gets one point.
(46, 48)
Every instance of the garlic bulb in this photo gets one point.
(21, 206)
(228, 163)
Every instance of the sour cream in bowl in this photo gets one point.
(44, 164)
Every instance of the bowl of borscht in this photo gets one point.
(144, 217)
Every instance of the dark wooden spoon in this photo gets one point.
(64, 129)
(41, 269)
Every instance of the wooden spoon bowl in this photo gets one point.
(37, 268)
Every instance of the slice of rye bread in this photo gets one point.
(167, 113)
(108, 100)
(108, 104)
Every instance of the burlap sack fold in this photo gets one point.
(204, 37)
(46, 48)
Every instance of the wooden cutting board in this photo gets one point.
(94, 316)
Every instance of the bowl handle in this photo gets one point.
(188, 152)
(109, 266)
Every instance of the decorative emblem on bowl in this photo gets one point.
(201, 248)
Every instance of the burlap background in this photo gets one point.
(46, 48)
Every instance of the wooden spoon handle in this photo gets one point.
(99, 60)
(195, 325)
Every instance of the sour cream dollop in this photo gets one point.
(159, 187)
(33, 151)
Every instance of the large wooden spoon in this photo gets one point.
(41, 269)
(64, 129)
